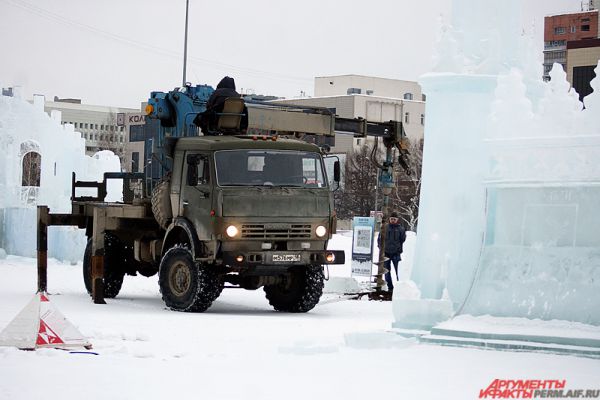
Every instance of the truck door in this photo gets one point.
(196, 198)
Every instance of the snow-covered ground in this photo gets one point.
(242, 349)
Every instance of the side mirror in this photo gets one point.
(192, 174)
(337, 175)
(202, 172)
(197, 173)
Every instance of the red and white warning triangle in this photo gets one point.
(40, 324)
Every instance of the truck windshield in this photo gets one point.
(270, 168)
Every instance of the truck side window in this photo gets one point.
(198, 172)
(311, 172)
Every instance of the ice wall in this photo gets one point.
(26, 129)
(452, 197)
(483, 40)
(510, 176)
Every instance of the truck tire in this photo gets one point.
(113, 266)
(161, 202)
(186, 285)
(301, 294)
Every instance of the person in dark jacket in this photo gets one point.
(215, 103)
(395, 235)
(225, 89)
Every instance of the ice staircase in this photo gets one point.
(514, 334)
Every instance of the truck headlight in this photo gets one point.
(321, 231)
(330, 257)
(232, 231)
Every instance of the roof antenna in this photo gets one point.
(187, 7)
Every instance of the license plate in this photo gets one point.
(286, 257)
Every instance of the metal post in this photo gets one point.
(387, 184)
(98, 255)
(42, 249)
(376, 192)
(187, 6)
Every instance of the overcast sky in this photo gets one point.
(115, 52)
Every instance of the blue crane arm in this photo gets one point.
(175, 110)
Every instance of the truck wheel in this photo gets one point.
(301, 293)
(113, 266)
(186, 285)
(161, 202)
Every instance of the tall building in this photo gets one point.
(582, 60)
(102, 127)
(560, 29)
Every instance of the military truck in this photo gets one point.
(225, 208)
(245, 211)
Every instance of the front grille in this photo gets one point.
(261, 231)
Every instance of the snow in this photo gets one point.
(406, 290)
(242, 349)
(342, 285)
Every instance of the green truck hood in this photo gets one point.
(275, 202)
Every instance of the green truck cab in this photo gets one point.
(246, 211)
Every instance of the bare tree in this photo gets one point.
(357, 197)
(408, 187)
(32, 169)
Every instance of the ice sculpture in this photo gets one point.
(541, 254)
(37, 157)
(510, 183)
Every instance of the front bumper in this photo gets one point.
(283, 258)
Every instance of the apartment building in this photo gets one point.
(563, 28)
